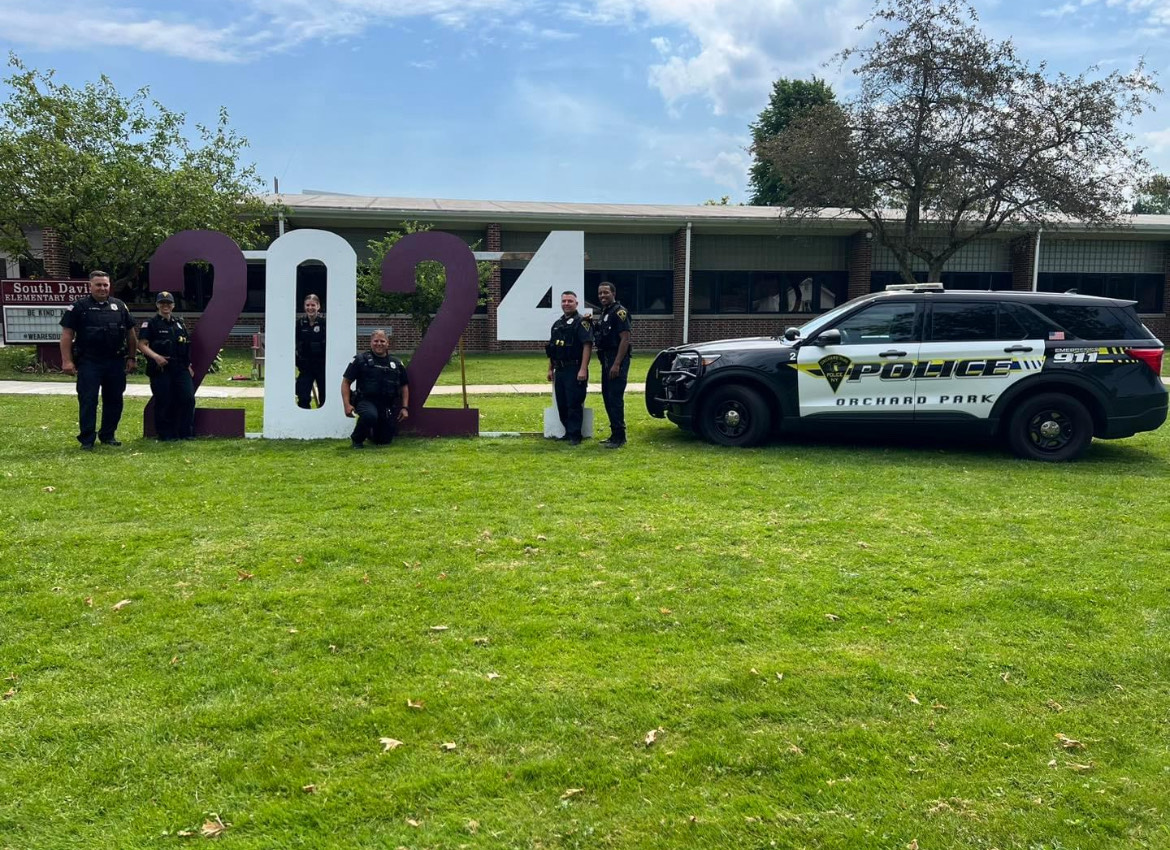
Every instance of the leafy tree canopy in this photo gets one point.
(951, 136)
(1153, 197)
(789, 99)
(115, 175)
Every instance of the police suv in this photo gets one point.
(1047, 372)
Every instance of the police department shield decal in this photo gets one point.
(834, 367)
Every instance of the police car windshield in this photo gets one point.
(825, 320)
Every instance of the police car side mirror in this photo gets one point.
(829, 337)
(792, 334)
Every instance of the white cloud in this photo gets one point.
(556, 112)
(1158, 140)
(737, 48)
(720, 157)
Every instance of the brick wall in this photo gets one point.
(1160, 325)
(860, 265)
(678, 255)
(1023, 262)
(493, 241)
(56, 260)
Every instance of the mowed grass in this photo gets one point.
(837, 646)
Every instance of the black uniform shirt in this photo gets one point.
(168, 338)
(614, 319)
(310, 339)
(99, 327)
(376, 376)
(569, 336)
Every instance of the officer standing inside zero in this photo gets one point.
(101, 330)
(568, 350)
(381, 380)
(164, 340)
(612, 333)
(310, 353)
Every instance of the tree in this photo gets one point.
(1154, 196)
(115, 175)
(951, 136)
(789, 99)
(430, 281)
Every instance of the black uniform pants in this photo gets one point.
(377, 420)
(613, 392)
(174, 403)
(107, 374)
(310, 372)
(570, 394)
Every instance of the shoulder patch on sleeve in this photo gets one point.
(585, 323)
(622, 314)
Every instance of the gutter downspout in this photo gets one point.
(1036, 262)
(687, 288)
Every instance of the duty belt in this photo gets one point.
(565, 364)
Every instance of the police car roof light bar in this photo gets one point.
(914, 287)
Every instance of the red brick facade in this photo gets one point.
(860, 264)
(1023, 262)
(56, 259)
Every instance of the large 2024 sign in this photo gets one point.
(560, 263)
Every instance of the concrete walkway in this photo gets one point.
(143, 390)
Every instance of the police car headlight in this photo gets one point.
(686, 361)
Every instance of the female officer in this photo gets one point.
(167, 346)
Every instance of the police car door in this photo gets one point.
(972, 351)
(869, 374)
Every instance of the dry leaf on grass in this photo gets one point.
(492, 676)
(11, 677)
(1052, 764)
(309, 789)
(754, 671)
(294, 631)
(779, 677)
(862, 544)
(121, 605)
(48, 489)
(389, 744)
(795, 750)
(481, 641)
(665, 611)
(417, 706)
(10, 693)
(1054, 705)
(333, 648)
(89, 601)
(300, 559)
(913, 845)
(214, 828)
(1069, 743)
(571, 792)
(541, 537)
(174, 660)
(448, 747)
(913, 699)
(652, 736)
(413, 822)
(832, 617)
(938, 706)
(1005, 677)
(1079, 768)
(244, 575)
(366, 578)
(439, 628)
(473, 826)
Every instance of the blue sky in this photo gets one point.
(624, 101)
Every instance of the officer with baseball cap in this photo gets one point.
(167, 345)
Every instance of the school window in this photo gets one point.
(767, 291)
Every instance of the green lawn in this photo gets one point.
(837, 646)
(482, 368)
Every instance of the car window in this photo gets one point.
(879, 323)
(1089, 321)
(962, 322)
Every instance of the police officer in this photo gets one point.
(568, 350)
(612, 333)
(167, 346)
(383, 393)
(310, 353)
(98, 345)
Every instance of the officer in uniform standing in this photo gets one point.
(383, 393)
(98, 345)
(167, 346)
(612, 333)
(568, 350)
(310, 353)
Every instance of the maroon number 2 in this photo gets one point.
(442, 336)
(215, 326)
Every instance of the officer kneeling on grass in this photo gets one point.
(382, 396)
(164, 340)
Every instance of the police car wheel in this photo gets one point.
(735, 416)
(1050, 427)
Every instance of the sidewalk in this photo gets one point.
(143, 390)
